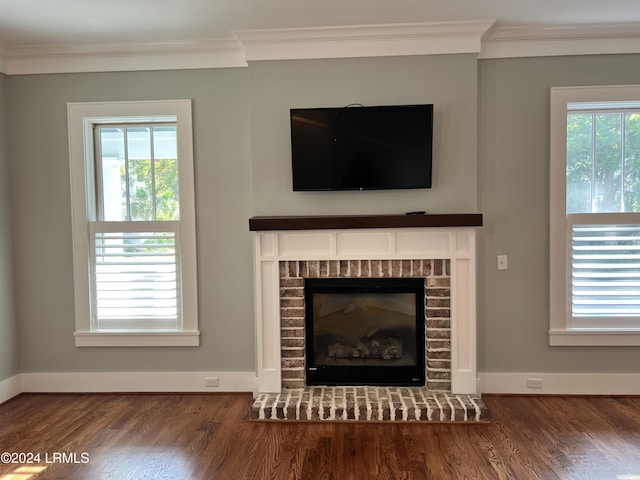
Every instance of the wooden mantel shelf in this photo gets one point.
(322, 222)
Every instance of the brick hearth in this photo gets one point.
(368, 404)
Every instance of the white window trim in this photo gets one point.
(561, 332)
(81, 117)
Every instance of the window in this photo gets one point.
(133, 223)
(595, 216)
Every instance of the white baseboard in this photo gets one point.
(561, 383)
(87, 382)
(10, 387)
(489, 382)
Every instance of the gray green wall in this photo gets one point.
(513, 183)
(8, 321)
(490, 156)
(448, 81)
(42, 220)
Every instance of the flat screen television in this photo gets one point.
(362, 147)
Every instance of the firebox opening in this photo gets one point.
(365, 331)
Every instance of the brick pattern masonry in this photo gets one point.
(369, 404)
(437, 308)
(433, 403)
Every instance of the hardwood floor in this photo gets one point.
(201, 436)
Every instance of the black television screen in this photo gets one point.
(361, 148)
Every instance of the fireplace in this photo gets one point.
(433, 274)
(435, 251)
(365, 331)
(439, 249)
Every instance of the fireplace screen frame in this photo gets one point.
(392, 375)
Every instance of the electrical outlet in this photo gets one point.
(211, 381)
(534, 383)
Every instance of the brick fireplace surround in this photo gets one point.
(438, 248)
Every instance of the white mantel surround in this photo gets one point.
(458, 244)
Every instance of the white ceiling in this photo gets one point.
(73, 22)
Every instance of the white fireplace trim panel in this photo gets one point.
(456, 244)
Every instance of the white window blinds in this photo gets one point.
(605, 274)
(135, 275)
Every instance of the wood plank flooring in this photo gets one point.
(204, 436)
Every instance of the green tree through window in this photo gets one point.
(603, 162)
(138, 173)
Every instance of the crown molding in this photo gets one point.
(555, 40)
(363, 40)
(218, 53)
(479, 37)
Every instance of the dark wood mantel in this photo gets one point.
(320, 222)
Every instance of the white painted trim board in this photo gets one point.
(560, 383)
